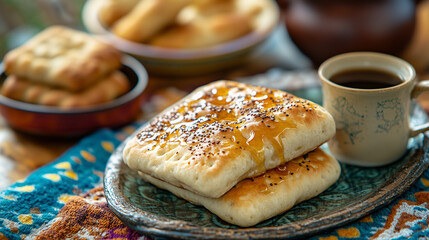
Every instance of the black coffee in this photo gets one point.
(366, 79)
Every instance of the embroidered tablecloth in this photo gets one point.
(65, 200)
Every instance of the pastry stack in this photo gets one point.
(183, 24)
(245, 153)
(64, 68)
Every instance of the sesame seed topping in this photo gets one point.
(224, 117)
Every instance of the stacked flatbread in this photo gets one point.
(246, 153)
(65, 68)
(180, 23)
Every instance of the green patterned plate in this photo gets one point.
(159, 214)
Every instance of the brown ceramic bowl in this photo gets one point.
(189, 62)
(323, 29)
(53, 121)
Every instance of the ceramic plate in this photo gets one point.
(359, 191)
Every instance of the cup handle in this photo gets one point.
(418, 89)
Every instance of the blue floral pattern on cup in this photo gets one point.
(390, 114)
(351, 121)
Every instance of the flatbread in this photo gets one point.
(224, 132)
(215, 30)
(148, 18)
(63, 57)
(106, 89)
(254, 200)
(112, 10)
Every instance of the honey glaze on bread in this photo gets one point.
(220, 119)
(225, 132)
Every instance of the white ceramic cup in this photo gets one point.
(372, 125)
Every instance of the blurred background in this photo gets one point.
(20, 20)
(310, 30)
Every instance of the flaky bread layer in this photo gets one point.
(254, 200)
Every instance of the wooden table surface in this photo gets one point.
(20, 153)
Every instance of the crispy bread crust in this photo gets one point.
(224, 132)
(254, 200)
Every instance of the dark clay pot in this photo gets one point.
(324, 28)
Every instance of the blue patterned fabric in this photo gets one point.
(405, 218)
(27, 205)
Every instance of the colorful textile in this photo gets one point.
(30, 205)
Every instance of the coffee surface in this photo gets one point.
(366, 79)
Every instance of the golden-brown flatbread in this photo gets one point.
(207, 8)
(214, 30)
(254, 200)
(224, 132)
(148, 18)
(104, 90)
(63, 57)
(112, 10)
